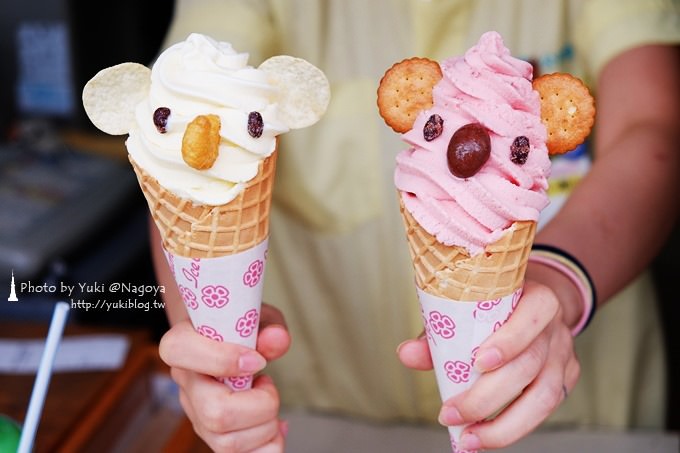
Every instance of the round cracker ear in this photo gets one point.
(567, 110)
(405, 90)
(304, 91)
(111, 96)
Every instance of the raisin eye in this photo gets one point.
(519, 150)
(160, 119)
(469, 149)
(433, 127)
(255, 124)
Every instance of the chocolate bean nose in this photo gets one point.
(468, 150)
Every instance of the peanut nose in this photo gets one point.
(201, 141)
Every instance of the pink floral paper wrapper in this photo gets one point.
(223, 297)
(454, 332)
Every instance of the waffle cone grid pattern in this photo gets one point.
(204, 231)
(450, 272)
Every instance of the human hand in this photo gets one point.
(229, 421)
(528, 367)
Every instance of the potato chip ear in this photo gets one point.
(304, 90)
(111, 96)
(567, 110)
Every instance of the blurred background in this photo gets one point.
(70, 208)
(71, 212)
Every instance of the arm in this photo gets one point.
(631, 196)
(614, 222)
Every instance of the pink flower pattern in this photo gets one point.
(442, 325)
(247, 323)
(443, 321)
(209, 332)
(188, 297)
(485, 309)
(457, 371)
(515, 298)
(488, 304)
(473, 355)
(171, 261)
(455, 449)
(240, 382)
(231, 285)
(428, 329)
(252, 276)
(216, 296)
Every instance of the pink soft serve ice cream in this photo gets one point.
(489, 87)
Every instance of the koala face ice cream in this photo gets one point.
(480, 129)
(202, 119)
(463, 184)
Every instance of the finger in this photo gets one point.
(538, 400)
(271, 315)
(220, 410)
(415, 354)
(273, 339)
(273, 342)
(244, 430)
(212, 438)
(185, 402)
(183, 347)
(260, 438)
(572, 374)
(276, 445)
(522, 416)
(497, 388)
(537, 308)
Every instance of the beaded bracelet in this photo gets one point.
(571, 268)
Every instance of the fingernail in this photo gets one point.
(402, 345)
(469, 441)
(449, 416)
(251, 362)
(265, 379)
(488, 360)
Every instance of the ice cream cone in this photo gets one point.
(203, 231)
(464, 299)
(451, 273)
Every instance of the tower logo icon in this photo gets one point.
(12, 291)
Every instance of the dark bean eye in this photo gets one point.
(433, 127)
(255, 124)
(469, 149)
(519, 150)
(160, 119)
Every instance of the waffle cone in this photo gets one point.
(204, 231)
(450, 272)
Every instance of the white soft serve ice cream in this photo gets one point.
(201, 76)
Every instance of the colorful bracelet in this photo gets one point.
(571, 268)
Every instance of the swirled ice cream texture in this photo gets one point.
(201, 76)
(490, 87)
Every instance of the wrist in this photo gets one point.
(566, 292)
(569, 280)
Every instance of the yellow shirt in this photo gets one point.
(338, 262)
